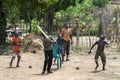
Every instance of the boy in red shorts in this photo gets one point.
(16, 47)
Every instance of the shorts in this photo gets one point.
(66, 45)
(16, 52)
(102, 55)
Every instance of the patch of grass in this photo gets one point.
(0, 53)
(37, 46)
(27, 43)
(5, 48)
(76, 49)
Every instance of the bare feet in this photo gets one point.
(103, 69)
(96, 67)
(17, 66)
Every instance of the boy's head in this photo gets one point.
(15, 33)
(102, 37)
(59, 35)
(66, 26)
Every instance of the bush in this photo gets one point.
(93, 32)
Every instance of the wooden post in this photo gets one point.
(77, 31)
(117, 29)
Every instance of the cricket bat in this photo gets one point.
(43, 32)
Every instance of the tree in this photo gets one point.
(3, 33)
(100, 4)
(29, 9)
(54, 6)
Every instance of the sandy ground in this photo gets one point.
(68, 71)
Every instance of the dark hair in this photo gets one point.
(102, 36)
(15, 32)
(65, 24)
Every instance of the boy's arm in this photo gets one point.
(16, 44)
(71, 39)
(46, 43)
(92, 47)
(62, 32)
(71, 36)
(108, 44)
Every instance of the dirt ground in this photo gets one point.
(80, 59)
(68, 71)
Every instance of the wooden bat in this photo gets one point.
(49, 38)
(43, 32)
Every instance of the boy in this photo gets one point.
(67, 38)
(60, 43)
(100, 51)
(16, 42)
(48, 55)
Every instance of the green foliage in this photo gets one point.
(3, 34)
(34, 24)
(27, 43)
(38, 46)
(64, 4)
(33, 11)
(3, 23)
(4, 49)
(100, 3)
(93, 32)
(80, 10)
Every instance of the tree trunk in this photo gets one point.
(101, 22)
(3, 23)
(77, 32)
(117, 30)
(100, 26)
(29, 21)
(49, 20)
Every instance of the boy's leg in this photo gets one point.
(60, 61)
(54, 61)
(67, 50)
(50, 62)
(63, 57)
(62, 54)
(96, 65)
(45, 62)
(67, 55)
(44, 67)
(64, 48)
(13, 57)
(19, 58)
(103, 58)
(96, 61)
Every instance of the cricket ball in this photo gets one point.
(30, 66)
(77, 68)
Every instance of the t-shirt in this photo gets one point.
(47, 44)
(16, 40)
(60, 41)
(66, 34)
